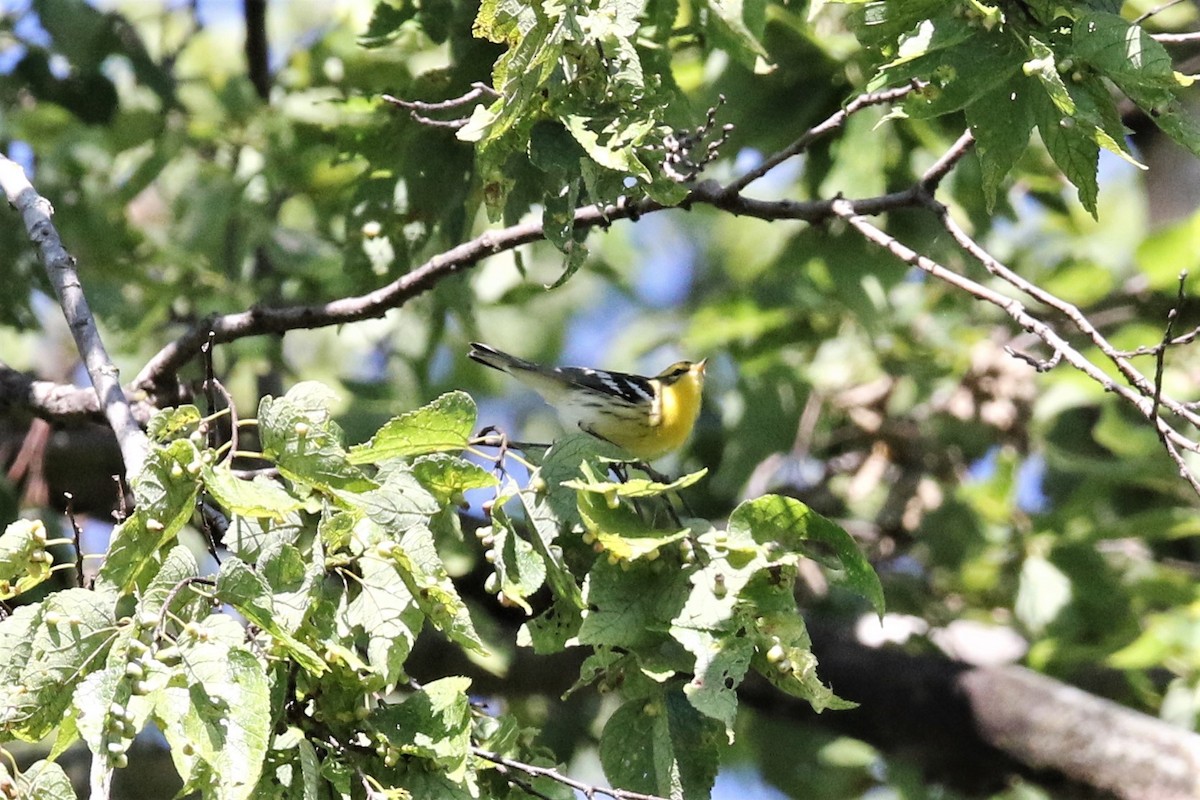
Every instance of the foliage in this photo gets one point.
(336, 572)
(838, 375)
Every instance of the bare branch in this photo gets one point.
(60, 266)
(1176, 38)
(258, 321)
(1135, 396)
(417, 109)
(941, 168)
(1070, 311)
(56, 402)
(504, 763)
(834, 122)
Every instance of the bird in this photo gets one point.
(647, 418)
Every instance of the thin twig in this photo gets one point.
(1016, 310)
(1070, 311)
(1156, 10)
(417, 109)
(941, 168)
(1176, 38)
(36, 212)
(555, 775)
(832, 123)
(77, 533)
(1160, 357)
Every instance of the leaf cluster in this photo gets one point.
(285, 672)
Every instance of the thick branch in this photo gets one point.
(36, 211)
(57, 402)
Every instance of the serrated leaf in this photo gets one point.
(635, 487)
(218, 724)
(1001, 122)
(779, 627)
(661, 746)
(244, 589)
(623, 533)
(1074, 152)
(398, 503)
(1128, 56)
(173, 423)
(434, 724)
(23, 561)
(792, 524)
(550, 630)
(449, 477)
(303, 441)
(386, 613)
(445, 424)
(165, 493)
(260, 497)
(519, 568)
(415, 556)
(721, 664)
(49, 646)
(631, 605)
(546, 528)
(45, 780)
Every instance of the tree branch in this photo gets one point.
(57, 402)
(258, 321)
(1140, 395)
(504, 763)
(36, 211)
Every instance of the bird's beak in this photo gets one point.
(700, 365)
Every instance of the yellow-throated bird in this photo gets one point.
(645, 417)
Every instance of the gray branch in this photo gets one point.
(36, 212)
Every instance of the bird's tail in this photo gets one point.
(491, 357)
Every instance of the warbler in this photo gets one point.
(645, 417)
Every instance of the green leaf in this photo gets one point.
(400, 501)
(24, 562)
(49, 647)
(45, 780)
(445, 424)
(661, 746)
(635, 487)
(622, 532)
(173, 423)
(1001, 122)
(385, 612)
(303, 441)
(415, 556)
(165, 493)
(433, 724)
(738, 26)
(1128, 56)
(783, 649)
(1042, 593)
(449, 477)
(721, 663)
(218, 722)
(547, 525)
(630, 605)
(245, 590)
(519, 568)
(793, 525)
(260, 497)
(550, 630)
